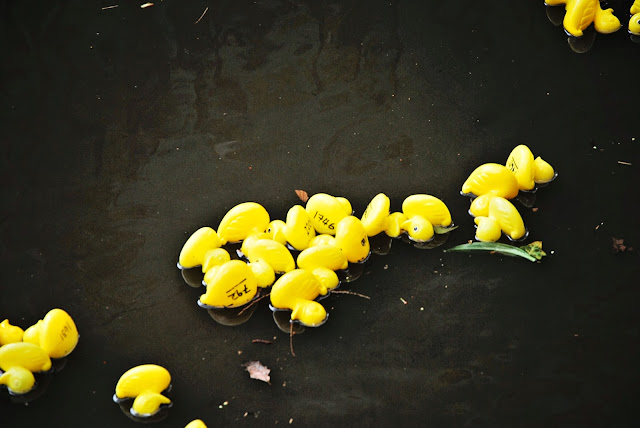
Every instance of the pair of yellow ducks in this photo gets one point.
(24, 352)
(582, 13)
(145, 385)
(325, 232)
(493, 184)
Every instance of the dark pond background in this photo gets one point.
(123, 130)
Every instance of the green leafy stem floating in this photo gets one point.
(532, 252)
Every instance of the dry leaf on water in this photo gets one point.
(258, 371)
(304, 197)
(619, 246)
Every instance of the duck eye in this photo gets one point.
(416, 228)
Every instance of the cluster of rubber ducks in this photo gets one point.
(580, 14)
(25, 352)
(492, 185)
(324, 235)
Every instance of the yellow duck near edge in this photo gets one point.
(144, 384)
(581, 13)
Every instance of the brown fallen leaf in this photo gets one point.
(258, 371)
(618, 245)
(304, 197)
(534, 209)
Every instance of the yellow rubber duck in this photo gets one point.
(10, 333)
(499, 215)
(215, 257)
(197, 423)
(298, 229)
(19, 361)
(328, 256)
(296, 291)
(394, 224)
(352, 239)
(325, 211)
(634, 21)
(199, 243)
(275, 230)
(235, 283)
(521, 163)
(243, 220)
(144, 384)
(376, 214)
(56, 334)
(542, 171)
(275, 254)
(322, 239)
(418, 228)
(428, 207)
(581, 13)
(491, 178)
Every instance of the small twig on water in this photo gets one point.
(110, 7)
(268, 342)
(293, 354)
(205, 11)
(253, 303)
(352, 293)
(624, 163)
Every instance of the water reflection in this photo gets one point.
(126, 403)
(233, 316)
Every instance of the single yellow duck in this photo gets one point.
(376, 214)
(542, 171)
(325, 211)
(215, 257)
(199, 243)
(352, 239)
(418, 228)
(322, 239)
(428, 207)
(296, 291)
(235, 283)
(298, 229)
(19, 361)
(499, 216)
(10, 333)
(394, 224)
(581, 13)
(328, 256)
(491, 178)
(243, 220)
(197, 423)
(56, 334)
(521, 163)
(144, 384)
(275, 230)
(634, 21)
(275, 254)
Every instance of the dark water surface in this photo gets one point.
(126, 129)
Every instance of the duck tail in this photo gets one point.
(18, 380)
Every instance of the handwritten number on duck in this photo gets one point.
(233, 293)
(324, 220)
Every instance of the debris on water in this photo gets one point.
(205, 11)
(598, 226)
(258, 371)
(403, 301)
(624, 163)
(146, 5)
(268, 342)
(304, 197)
(534, 209)
(619, 246)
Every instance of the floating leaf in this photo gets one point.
(535, 250)
(508, 250)
(304, 197)
(258, 371)
(441, 230)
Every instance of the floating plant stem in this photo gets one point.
(253, 303)
(352, 293)
(291, 333)
(532, 252)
